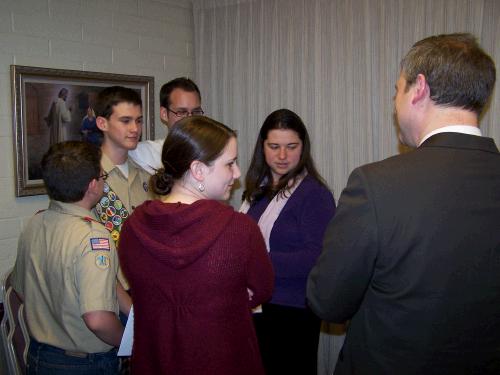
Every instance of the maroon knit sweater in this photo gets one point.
(189, 267)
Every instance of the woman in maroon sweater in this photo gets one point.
(195, 266)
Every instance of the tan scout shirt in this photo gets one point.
(132, 191)
(66, 266)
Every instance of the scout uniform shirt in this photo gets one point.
(66, 266)
(121, 194)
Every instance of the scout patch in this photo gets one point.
(104, 202)
(102, 261)
(110, 211)
(116, 220)
(145, 186)
(99, 244)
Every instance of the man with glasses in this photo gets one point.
(179, 98)
(66, 270)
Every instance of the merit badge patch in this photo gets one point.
(110, 211)
(104, 202)
(102, 261)
(99, 244)
(118, 205)
(117, 220)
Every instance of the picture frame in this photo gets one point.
(54, 105)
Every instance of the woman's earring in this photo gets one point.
(201, 187)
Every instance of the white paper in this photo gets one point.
(128, 336)
(257, 310)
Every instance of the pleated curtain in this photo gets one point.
(334, 62)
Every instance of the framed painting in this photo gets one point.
(55, 105)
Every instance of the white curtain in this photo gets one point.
(334, 62)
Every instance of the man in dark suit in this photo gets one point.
(412, 257)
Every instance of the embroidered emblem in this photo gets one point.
(145, 186)
(115, 235)
(108, 225)
(104, 202)
(102, 261)
(106, 188)
(110, 211)
(117, 220)
(99, 244)
(112, 196)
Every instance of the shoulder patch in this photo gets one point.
(102, 261)
(99, 244)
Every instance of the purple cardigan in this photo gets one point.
(297, 238)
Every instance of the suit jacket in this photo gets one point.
(413, 258)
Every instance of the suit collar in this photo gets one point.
(458, 140)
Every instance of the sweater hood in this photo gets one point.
(178, 234)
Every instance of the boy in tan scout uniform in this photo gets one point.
(66, 270)
(119, 117)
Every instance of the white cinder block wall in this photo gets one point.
(140, 37)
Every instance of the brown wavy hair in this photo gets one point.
(258, 180)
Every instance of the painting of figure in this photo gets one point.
(54, 105)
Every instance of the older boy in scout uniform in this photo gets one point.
(66, 270)
(119, 117)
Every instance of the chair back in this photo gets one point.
(17, 339)
(5, 326)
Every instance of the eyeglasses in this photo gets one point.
(183, 113)
(104, 176)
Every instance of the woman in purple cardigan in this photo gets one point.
(290, 201)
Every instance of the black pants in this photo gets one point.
(288, 339)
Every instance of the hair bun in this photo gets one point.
(162, 182)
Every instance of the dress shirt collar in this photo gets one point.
(464, 129)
